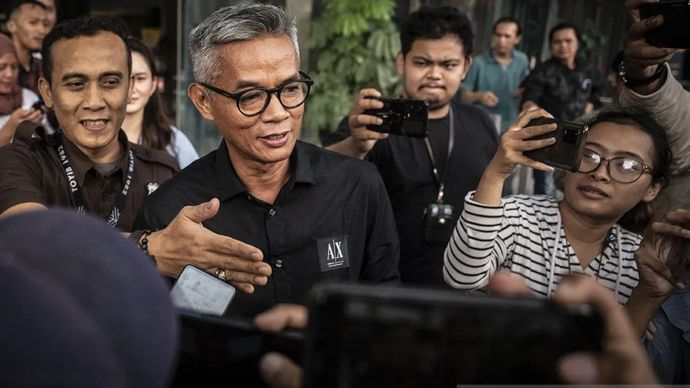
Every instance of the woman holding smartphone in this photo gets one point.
(146, 122)
(16, 103)
(593, 230)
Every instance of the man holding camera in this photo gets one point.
(426, 179)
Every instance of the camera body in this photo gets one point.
(566, 152)
(401, 117)
(438, 222)
(675, 32)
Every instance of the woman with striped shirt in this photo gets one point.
(592, 230)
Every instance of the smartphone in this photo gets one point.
(201, 292)
(366, 336)
(226, 330)
(566, 152)
(215, 349)
(38, 105)
(401, 117)
(675, 32)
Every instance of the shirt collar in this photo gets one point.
(82, 164)
(558, 62)
(230, 185)
(493, 59)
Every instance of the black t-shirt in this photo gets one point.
(332, 221)
(406, 170)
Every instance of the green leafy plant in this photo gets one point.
(354, 44)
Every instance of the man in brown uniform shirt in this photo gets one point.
(88, 165)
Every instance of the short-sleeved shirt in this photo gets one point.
(487, 73)
(331, 221)
(406, 169)
(561, 91)
(31, 171)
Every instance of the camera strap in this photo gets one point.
(451, 142)
(76, 192)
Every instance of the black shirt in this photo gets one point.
(406, 170)
(31, 171)
(332, 220)
(561, 91)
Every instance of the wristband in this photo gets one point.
(141, 238)
(661, 71)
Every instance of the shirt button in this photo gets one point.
(104, 197)
(279, 263)
(272, 212)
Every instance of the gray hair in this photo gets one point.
(235, 24)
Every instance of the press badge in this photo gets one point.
(333, 253)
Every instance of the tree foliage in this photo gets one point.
(355, 43)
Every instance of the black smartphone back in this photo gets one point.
(365, 336)
(675, 32)
(401, 117)
(566, 152)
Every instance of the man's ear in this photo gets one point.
(652, 192)
(11, 26)
(201, 100)
(400, 63)
(468, 64)
(46, 92)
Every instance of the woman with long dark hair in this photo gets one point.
(147, 122)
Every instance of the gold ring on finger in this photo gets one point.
(220, 274)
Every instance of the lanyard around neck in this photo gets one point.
(439, 179)
(76, 192)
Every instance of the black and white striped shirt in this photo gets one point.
(519, 236)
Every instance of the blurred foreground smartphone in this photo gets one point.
(201, 292)
(401, 117)
(364, 336)
(675, 32)
(566, 152)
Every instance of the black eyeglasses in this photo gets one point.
(254, 101)
(622, 169)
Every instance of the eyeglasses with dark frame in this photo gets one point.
(621, 169)
(254, 101)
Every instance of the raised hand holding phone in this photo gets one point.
(514, 142)
(401, 117)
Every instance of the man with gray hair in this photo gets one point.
(285, 214)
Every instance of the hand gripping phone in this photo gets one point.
(566, 152)
(675, 32)
(401, 117)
